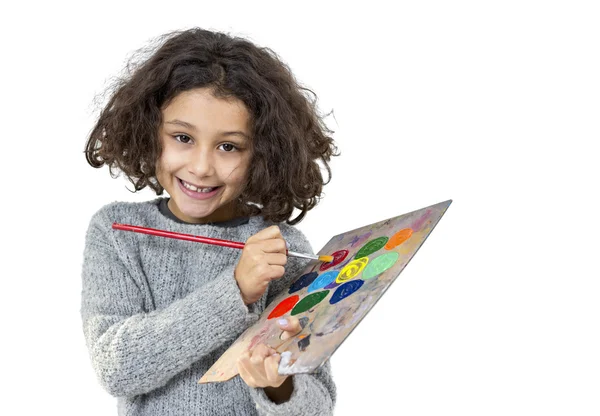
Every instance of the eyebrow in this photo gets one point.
(193, 128)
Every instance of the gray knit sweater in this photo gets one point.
(158, 312)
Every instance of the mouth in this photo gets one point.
(197, 192)
(196, 188)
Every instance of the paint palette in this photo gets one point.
(330, 299)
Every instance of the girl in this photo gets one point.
(224, 128)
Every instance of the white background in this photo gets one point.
(492, 104)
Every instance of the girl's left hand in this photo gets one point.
(258, 368)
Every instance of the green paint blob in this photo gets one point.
(379, 265)
(309, 301)
(371, 247)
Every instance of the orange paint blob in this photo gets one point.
(398, 238)
(284, 306)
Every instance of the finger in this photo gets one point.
(246, 375)
(276, 259)
(273, 245)
(245, 356)
(260, 353)
(274, 272)
(265, 273)
(243, 360)
(290, 325)
(265, 234)
(272, 371)
(255, 373)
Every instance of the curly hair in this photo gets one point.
(289, 138)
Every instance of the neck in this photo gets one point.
(227, 212)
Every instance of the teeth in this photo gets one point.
(195, 189)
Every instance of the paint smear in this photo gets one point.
(338, 257)
(258, 337)
(303, 321)
(328, 322)
(303, 281)
(380, 264)
(346, 290)
(309, 301)
(419, 223)
(284, 307)
(344, 264)
(304, 342)
(323, 280)
(357, 240)
(352, 269)
(371, 247)
(398, 238)
(286, 357)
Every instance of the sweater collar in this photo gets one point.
(164, 209)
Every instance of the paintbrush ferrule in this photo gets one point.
(302, 255)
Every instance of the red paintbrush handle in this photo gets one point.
(179, 236)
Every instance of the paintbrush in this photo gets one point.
(207, 240)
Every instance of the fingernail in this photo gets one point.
(287, 245)
(283, 321)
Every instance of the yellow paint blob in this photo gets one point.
(352, 269)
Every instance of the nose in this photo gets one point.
(201, 163)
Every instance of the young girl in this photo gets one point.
(224, 128)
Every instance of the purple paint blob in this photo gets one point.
(332, 285)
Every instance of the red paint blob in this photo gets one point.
(338, 257)
(284, 306)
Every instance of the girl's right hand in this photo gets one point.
(262, 260)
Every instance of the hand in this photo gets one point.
(258, 368)
(262, 260)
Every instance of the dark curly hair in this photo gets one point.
(288, 137)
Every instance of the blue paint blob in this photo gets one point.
(346, 290)
(323, 280)
(303, 281)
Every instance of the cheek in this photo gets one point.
(167, 162)
(170, 155)
(234, 170)
(164, 170)
(161, 167)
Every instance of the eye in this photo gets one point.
(228, 147)
(185, 139)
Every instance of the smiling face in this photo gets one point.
(205, 156)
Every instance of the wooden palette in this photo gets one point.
(330, 299)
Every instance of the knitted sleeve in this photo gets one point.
(134, 352)
(314, 393)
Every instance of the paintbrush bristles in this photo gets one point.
(326, 259)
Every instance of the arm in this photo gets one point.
(312, 394)
(134, 352)
(300, 394)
